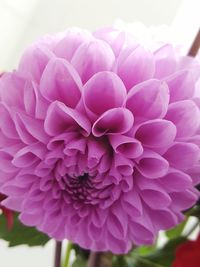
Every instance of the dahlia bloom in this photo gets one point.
(99, 138)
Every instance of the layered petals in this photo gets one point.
(100, 138)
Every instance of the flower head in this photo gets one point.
(100, 138)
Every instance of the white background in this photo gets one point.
(23, 21)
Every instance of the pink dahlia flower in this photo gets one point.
(99, 138)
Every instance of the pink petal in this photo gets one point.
(12, 89)
(34, 61)
(186, 116)
(127, 146)
(182, 155)
(60, 118)
(152, 165)
(113, 121)
(7, 125)
(156, 133)
(29, 128)
(181, 85)
(67, 46)
(135, 68)
(115, 38)
(132, 203)
(91, 58)
(165, 61)
(107, 84)
(176, 181)
(60, 81)
(183, 200)
(148, 100)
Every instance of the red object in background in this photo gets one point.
(188, 254)
(6, 212)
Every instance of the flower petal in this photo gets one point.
(34, 61)
(186, 116)
(165, 61)
(152, 165)
(176, 181)
(60, 118)
(108, 85)
(60, 81)
(181, 85)
(182, 155)
(92, 57)
(113, 121)
(135, 68)
(148, 100)
(156, 133)
(73, 38)
(127, 146)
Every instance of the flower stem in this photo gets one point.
(58, 250)
(67, 256)
(195, 46)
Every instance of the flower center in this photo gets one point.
(79, 187)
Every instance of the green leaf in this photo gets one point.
(144, 250)
(177, 231)
(21, 234)
(79, 262)
(165, 256)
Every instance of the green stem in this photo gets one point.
(67, 256)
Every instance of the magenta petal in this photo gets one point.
(11, 90)
(7, 125)
(186, 116)
(183, 200)
(182, 155)
(176, 181)
(34, 62)
(33, 127)
(67, 46)
(115, 38)
(92, 57)
(132, 203)
(135, 68)
(113, 121)
(113, 89)
(148, 100)
(152, 165)
(163, 219)
(127, 146)
(153, 194)
(60, 81)
(26, 156)
(165, 61)
(181, 85)
(156, 133)
(60, 118)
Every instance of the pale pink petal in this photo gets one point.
(61, 118)
(91, 58)
(113, 121)
(156, 133)
(61, 82)
(148, 100)
(113, 89)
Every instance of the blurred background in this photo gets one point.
(23, 21)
